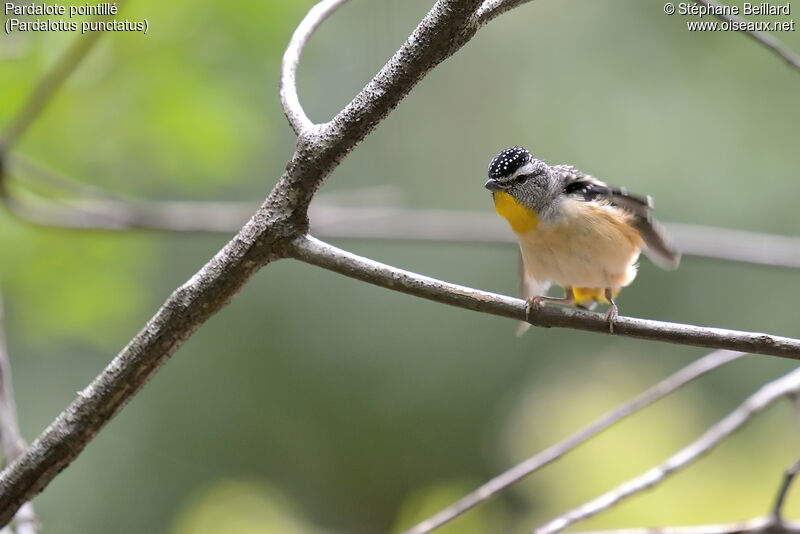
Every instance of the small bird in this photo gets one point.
(574, 231)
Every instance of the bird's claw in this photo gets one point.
(530, 304)
(611, 318)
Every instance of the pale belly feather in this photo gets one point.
(591, 246)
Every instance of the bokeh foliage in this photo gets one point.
(316, 403)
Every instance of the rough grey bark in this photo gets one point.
(265, 238)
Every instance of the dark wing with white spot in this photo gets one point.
(659, 247)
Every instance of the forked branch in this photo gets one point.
(784, 386)
(504, 480)
(263, 239)
(788, 478)
(772, 523)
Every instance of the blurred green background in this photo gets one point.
(314, 403)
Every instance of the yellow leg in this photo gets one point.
(613, 311)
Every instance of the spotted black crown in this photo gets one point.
(508, 161)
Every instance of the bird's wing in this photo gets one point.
(659, 247)
(529, 287)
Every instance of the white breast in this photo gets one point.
(593, 245)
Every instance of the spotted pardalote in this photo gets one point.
(574, 230)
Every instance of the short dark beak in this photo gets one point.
(493, 185)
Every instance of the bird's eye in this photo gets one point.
(522, 178)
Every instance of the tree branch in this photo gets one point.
(494, 8)
(291, 58)
(10, 435)
(786, 385)
(770, 524)
(385, 222)
(117, 215)
(761, 525)
(788, 477)
(321, 254)
(264, 238)
(762, 38)
(501, 482)
(277, 228)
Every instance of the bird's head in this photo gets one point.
(529, 181)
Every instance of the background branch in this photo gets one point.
(769, 524)
(321, 254)
(384, 222)
(485, 227)
(762, 38)
(761, 525)
(25, 521)
(47, 87)
(788, 477)
(510, 477)
(784, 386)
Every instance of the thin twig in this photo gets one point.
(291, 58)
(47, 87)
(763, 38)
(321, 254)
(501, 482)
(32, 175)
(760, 525)
(758, 401)
(115, 215)
(769, 524)
(788, 477)
(10, 435)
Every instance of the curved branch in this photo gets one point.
(321, 254)
(291, 58)
(501, 482)
(762, 38)
(494, 8)
(786, 385)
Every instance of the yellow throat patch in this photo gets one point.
(521, 219)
